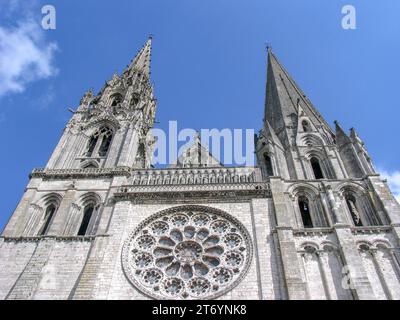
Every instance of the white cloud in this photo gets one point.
(393, 179)
(45, 99)
(25, 56)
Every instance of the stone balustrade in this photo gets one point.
(163, 176)
(196, 176)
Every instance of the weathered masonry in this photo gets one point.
(313, 220)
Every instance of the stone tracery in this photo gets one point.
(188, 252)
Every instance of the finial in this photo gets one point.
(268, 46)
(151, 36)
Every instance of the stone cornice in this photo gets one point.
(57, 238)
(91, 173)
(168, 176)
(181, 193)
(312, 231)
(354, 230)
(371, 229)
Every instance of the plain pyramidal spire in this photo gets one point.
(284, 95)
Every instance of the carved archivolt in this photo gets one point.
(187, 252)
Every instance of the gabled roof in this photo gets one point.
(196, 156)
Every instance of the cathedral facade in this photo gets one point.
(312, 220)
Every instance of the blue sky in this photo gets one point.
(209, 68)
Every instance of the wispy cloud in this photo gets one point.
(25, 54)
(393, 179)
(45, 99)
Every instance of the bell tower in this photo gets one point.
(297, 142)
(69, 201)
(111, 129)
(322, 183)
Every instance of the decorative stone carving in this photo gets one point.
(49, 174)
(87, 98)
(187, 252)
(116, 81)
(201, 175)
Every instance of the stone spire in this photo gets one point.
(143, 58)
(121, 114)
(284, 99)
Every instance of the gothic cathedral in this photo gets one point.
(313, 220)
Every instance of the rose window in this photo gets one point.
(187, 253)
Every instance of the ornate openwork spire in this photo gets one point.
(143, 58)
